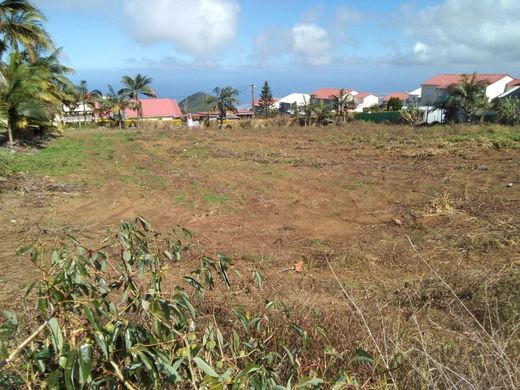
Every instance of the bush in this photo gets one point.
(104, 320)
(508, 111)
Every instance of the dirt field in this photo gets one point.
(359, 196)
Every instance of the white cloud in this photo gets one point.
(311, 45)
(343, 19)
(466, 31)
(198, 27)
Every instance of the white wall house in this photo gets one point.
(435, 90)
(364, 100)
(78, 114)
(286, 104)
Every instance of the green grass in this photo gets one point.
(60, 158)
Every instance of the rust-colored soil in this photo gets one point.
(274, 197)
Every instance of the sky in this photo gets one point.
(376, 46)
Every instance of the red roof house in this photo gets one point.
(329, 93)
(403, 96)
(160, 108)
(435, 90)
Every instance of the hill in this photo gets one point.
(196, 103)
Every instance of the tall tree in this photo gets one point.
(394, 104)
(86, 98)
(118, 103)
(266, 100)
(467, 98)
(21, 28)
(342, 104)
(225, 99)
(24, 93)
(134, 87)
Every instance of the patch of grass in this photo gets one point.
(61, 157)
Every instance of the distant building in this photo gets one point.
(80, 113)
(328, 96)
(287, 103)
(435, 90)
(157, 109)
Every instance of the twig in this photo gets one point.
(120, 376)
(360, 312)
(18, 349)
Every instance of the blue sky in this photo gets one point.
(297, 45)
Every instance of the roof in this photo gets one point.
(362, 95)
(157, 108)
(513, 83)
(445, 80)
(299, 98)
(512, 92)
(403, 96)
(328, 93)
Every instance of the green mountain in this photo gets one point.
(196, 103)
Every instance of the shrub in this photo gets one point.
(508, 111)
(104, 320)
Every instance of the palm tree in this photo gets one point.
(342, 104)
(21, 27)
(467, 98)
(133, 87)
(60, 88)
(86, 98)
(24, 94)
(225, 99)
(118, 103)
(308, 112)
(322, 113)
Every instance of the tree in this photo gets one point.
(21, 27)
(118, 103)
(412, 115)
(508, 111)
(225, 99)
(266, 100)
(322, 113)
(467, 98)
(86, 98)
(342, 104)
(134, 87)
(24, 94)
(394, 104)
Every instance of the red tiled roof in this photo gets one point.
(403, 96)
(513, 83)
(157, 108)
(445, 80)
(327, 93)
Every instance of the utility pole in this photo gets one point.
(253, 99)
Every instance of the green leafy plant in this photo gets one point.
(104, 320)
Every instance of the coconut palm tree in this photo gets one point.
(21, 28)
(225, 99)
(467, 98)
(118, 103)
(24, 93)
(134, 87)
(342, 104)
(322, 113)
(86, 98)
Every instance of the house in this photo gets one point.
(365, 100)
(327, 96)
(415, 96)
(402, 96)
(512, 90)
(80, 113)
(157, 109)
(287, 103)
(435, 90)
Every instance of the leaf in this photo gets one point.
(363, 356)
(85, 362)
(259, 278)
(253, 367)
(11, 318)
(205, 367)
(56, 335)
(145, 224)
(309, 383)
(69, 370)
